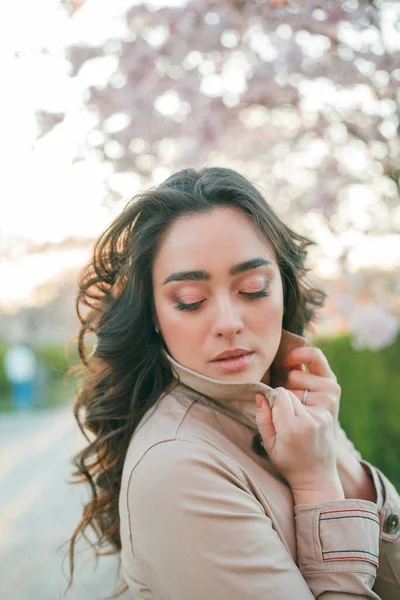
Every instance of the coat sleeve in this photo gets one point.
(387, 583)
(197, 531)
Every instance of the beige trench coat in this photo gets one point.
(205, 516)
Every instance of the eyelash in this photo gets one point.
(250, 295)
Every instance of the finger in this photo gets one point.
(299, 367)
(311, 356)
(283, 410)
(264, 418)
(320, 401)
(301, 380)
(298, 406)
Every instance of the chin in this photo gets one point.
(242, 375)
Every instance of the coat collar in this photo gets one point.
(241, 393)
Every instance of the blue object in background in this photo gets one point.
(21, 368)
(23, 394)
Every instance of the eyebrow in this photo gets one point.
(254, 263)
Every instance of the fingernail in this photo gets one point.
(259, 401)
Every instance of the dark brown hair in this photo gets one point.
(128, 372)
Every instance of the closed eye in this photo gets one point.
(250, 295)
(260, 294)
(188, 307)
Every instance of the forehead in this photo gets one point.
(223, 237)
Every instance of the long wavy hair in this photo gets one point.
(128, 372)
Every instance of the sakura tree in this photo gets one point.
(301, 96)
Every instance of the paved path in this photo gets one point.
(39, 510)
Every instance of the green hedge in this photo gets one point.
(370, 403)
(51, 387)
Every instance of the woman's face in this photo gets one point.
(217, 287)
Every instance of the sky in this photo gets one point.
(47, 197)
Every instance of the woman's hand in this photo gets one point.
(325, 392)
(301, 444)
(320, 380)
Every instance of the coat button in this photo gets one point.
(392, 524)
(257, 445)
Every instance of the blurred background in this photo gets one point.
(101, 99)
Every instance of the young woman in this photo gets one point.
(216, 460)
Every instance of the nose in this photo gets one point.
(228, 320)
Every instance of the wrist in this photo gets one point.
(327, 491)
(317, 497)
(356, 479)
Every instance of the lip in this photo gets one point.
(234, 364)
(231, 353)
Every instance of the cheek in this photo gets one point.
(183, 337)
(178, 328)
(267, 315)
